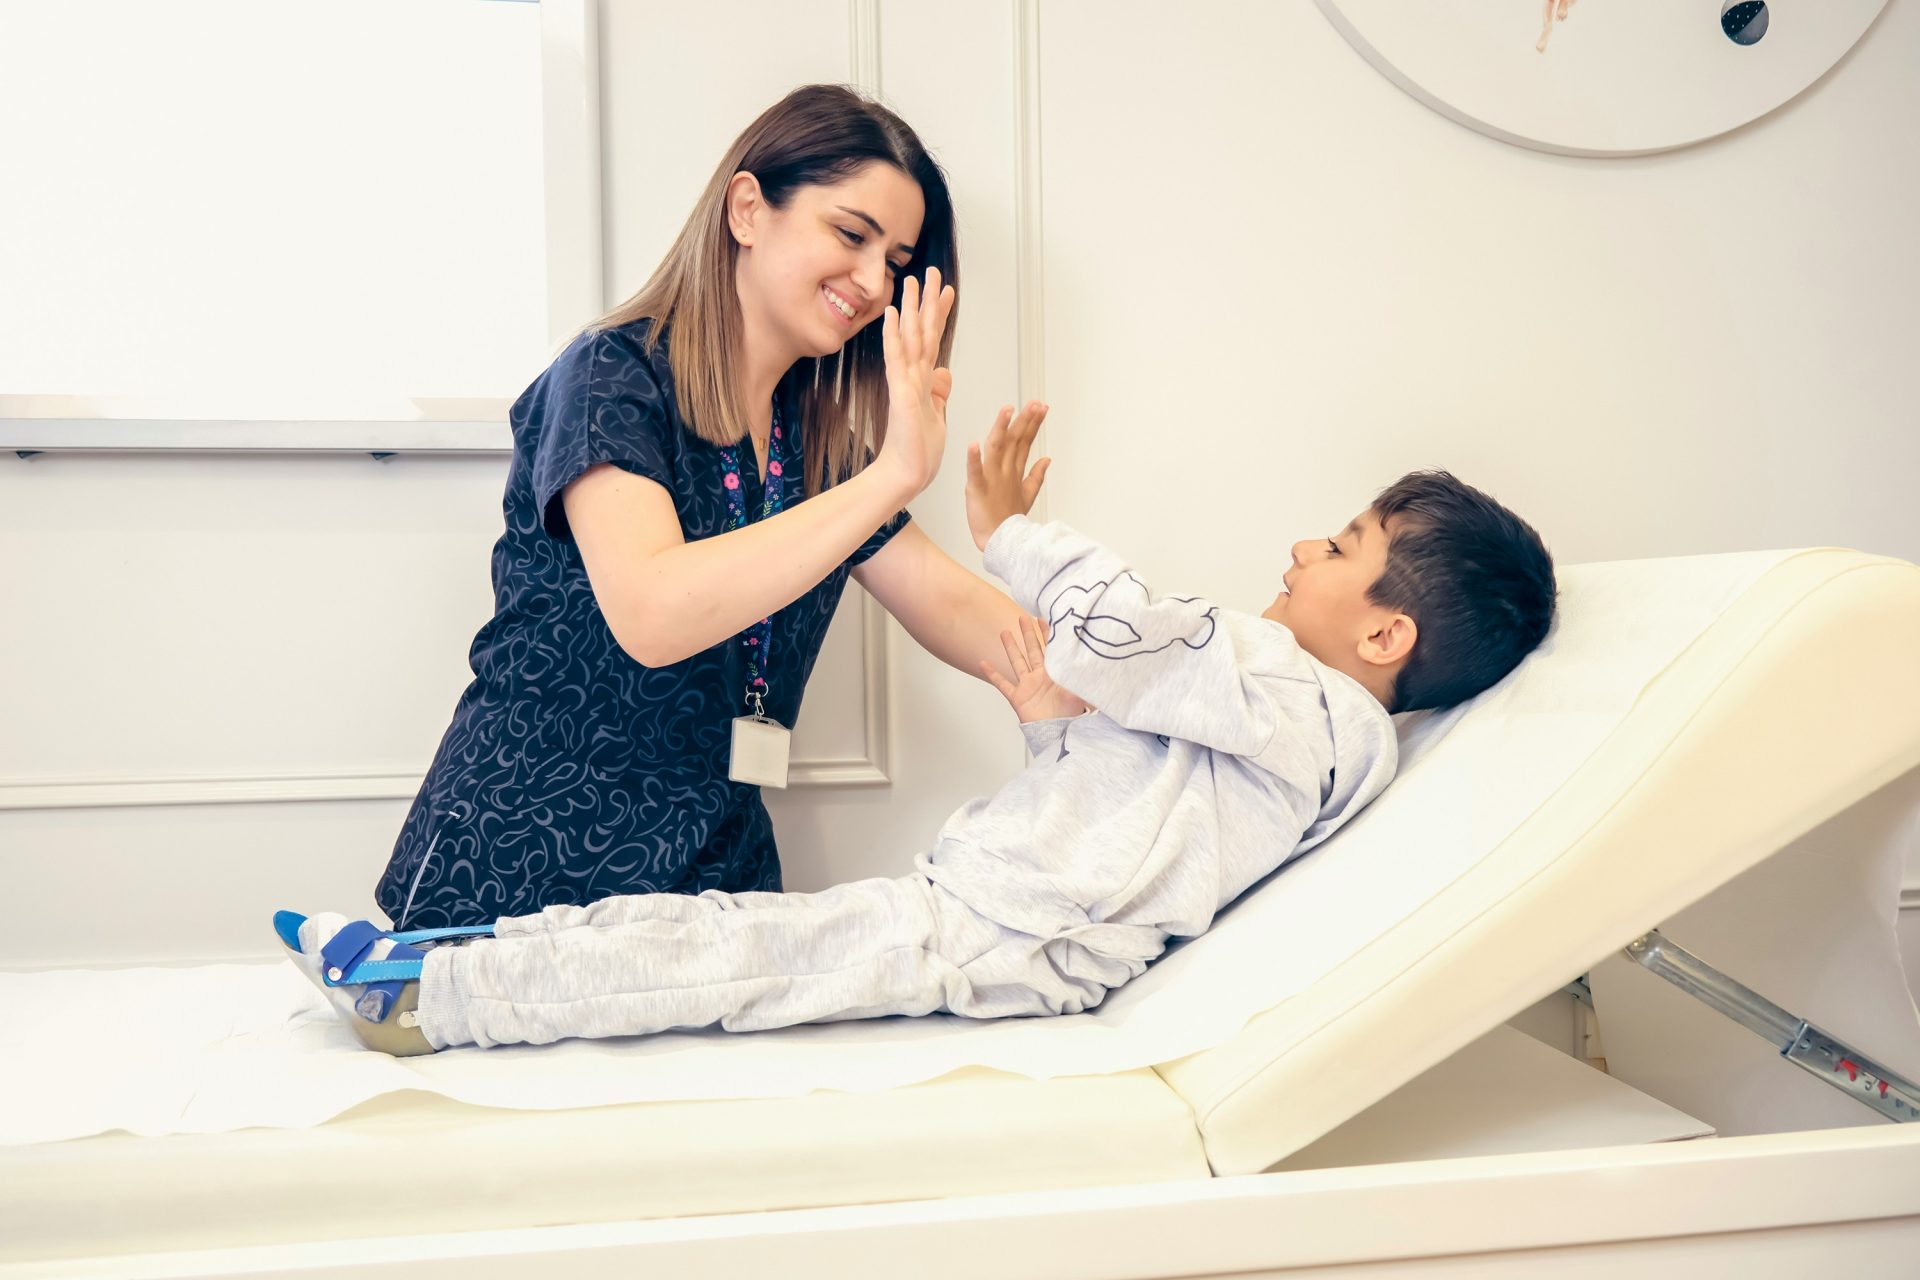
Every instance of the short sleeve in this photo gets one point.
(606, 403)
(881, 537)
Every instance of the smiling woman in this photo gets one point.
(694, 479)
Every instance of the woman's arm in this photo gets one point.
(954, 615)
(951, 613)
(667, 599)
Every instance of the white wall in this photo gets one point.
(1263, 264)
(1266, 259)
(266, 614)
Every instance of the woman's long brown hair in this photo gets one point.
(817, 135)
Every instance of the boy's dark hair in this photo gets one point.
(1474, 577)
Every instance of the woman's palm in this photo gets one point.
(917, 389)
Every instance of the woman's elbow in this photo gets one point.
(641, 636)
(653, 650)
(642, 651)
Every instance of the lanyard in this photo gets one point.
(756, 640)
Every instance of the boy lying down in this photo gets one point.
(1224, 744)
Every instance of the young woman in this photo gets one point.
(693, 480)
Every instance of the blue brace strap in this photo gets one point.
(343, 963)
(434, 935)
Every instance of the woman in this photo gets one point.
(656, 581)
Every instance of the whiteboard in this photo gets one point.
(322, 224)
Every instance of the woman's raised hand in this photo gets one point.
(917, 388)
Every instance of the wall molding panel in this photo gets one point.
(1028, 241)
(871, 767)
(571, 156)
(863, 30)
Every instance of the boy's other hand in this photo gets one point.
(998, 482)
(1031, 693)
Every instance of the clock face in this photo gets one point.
(1603, 77)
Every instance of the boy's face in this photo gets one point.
(1325, 604)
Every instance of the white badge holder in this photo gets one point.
(760, 748)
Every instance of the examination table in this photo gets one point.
(1724, 749)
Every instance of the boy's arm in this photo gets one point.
(1043, 706)
(1043, 736)
(1169, 666)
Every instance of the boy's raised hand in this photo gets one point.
(1031, 693)
(998, 482)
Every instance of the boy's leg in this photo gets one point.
(631, 908)
(396, 1033)
(744, 961)
(1069, 973)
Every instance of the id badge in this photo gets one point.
(759, 751)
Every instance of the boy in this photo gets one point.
(1223, 745)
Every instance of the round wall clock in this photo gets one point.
(1603, 77)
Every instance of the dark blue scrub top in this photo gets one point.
(571, 772)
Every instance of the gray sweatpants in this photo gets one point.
(748, 961)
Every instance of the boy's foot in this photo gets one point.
(399, 1032)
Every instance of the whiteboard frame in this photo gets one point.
(570, 138)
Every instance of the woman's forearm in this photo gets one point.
(949, 611)
(693, 595)
(969, 633)
(974, 635)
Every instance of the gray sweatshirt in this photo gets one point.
(1220, 749)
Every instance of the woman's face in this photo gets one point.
(818, 271)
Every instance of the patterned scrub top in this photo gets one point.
(571, 772)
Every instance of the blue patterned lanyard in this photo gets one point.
(758, 638)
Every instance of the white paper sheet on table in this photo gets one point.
(221, 1047)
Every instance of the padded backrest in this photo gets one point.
(1778, 716)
